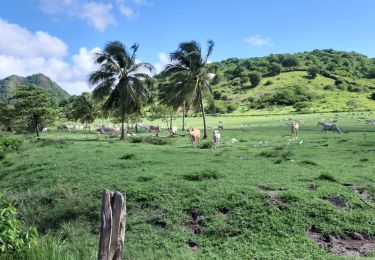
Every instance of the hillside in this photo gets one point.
(316, 81)
(8, 85)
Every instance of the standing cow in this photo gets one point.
(195, 135)
(294, 127)
(216, 138)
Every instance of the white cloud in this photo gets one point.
(71, 77)
(17, 40)
(94, 13)
(125, 9)
(98, 15)
(163, 61)
(258, 41)
(24, 53)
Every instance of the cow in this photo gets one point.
(220, 126)
(216, 138)
(294, 127)
(44, 130)
(154, 128)
(329, 127)
(195, 135)
(174, 130)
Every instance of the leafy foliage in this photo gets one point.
(14, 236)
(35, 108)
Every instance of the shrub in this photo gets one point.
(268, 82)
(329, 87)
(11, 143)
(135, 139)
(205, 174)
(372, 96)
(2, 154)
(127, 156)
(14, 236)
(313, 72)
(155, 140)
(327, 177)
(206, 145)
(255, 78)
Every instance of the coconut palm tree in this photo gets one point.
(191, 74)
(84, 109)
(121, 80)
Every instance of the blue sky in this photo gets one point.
(58, 37)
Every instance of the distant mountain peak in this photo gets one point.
(10, 83)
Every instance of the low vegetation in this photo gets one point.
(267, 197)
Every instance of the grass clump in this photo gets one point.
(135, 139)
(205, 174)
(309, 162)
(283, 155)
(155, 140)
(206, 145)
(127, 156)
(10, 143)
(2, 154)
(327, 177)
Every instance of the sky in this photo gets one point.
(59, 37)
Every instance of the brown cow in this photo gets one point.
(195, 135)
(154, 128)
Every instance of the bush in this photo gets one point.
(14, 236)
(255, 78)
(327, 177)
(329, 87)
(301, 106)
(372, 96)
(135, 139)
(127, 156)
(155, 140)
(268, 82)
(206, 145)
(313, 72)
(274, 69)
(11, 143)
(2, 154)
(205, 174)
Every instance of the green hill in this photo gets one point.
(9, 84)
(316, 81)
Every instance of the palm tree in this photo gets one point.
(190, 71)
(83, 109)
(121, 80)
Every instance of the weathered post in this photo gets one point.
(112, 228)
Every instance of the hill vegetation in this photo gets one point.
(9, 85)
(316, 81)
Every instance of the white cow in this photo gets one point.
(216, 138)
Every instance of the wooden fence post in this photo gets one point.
(112, 228)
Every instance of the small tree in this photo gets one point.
(255, 78)
(6, 116)
(35, 107)
(274, 69)
(313, 72)
(83, 109)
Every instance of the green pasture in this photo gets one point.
(252, 199)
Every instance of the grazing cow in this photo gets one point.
(216, 138)
(174, 130)
(154, 128)
(220, 126)
(294, 127)
(44, 130)
(329, 127)
(195, 135)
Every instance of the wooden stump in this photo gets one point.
(112, 229)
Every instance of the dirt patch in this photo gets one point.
(195, 222)
(274, 196)
(354, 244)
(337, 201)
(192, 245)
(312, 187)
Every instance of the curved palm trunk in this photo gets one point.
(122, 126)
(204, 118)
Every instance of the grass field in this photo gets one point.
(263, 197)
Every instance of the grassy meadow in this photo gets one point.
(257, 198)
